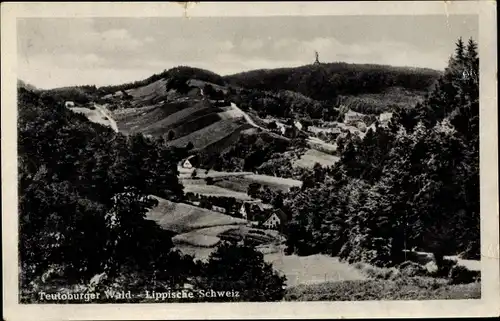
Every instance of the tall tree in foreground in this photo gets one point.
(243, 269)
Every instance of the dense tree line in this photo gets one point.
(177, 75)
(246, 154)
(81, 186)
(284, 104)
(327, 81)
(412, 185)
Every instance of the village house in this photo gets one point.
(352, 117)
(260, 214)
(384, 118)
(281, 127)
(298, 125)
(252, 209)
(276, 220)
(218, 209)
(188, 162)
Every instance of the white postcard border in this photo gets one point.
(488, 305)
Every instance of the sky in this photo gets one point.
(56, 52)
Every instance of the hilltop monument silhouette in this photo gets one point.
(316, 62)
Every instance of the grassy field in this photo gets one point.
(318, 144)
(182, 218)
(160, 126)
(312, 156)
(93, 115)
(201, 173)
(274, 182)
(417, 288)
(140, 120)
(312, 269)
(209, 134)
(205, 237)
(194, 123)
(149, 93)
(241, 183)
(200, 187)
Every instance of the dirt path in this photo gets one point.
(105, 113)
(247, 118)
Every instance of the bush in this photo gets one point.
(445, 267)
(461, 275)
(209, 180)
(418, 288)
(409, 268)
(243, 269)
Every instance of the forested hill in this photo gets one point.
(320, 82)
(327, 81)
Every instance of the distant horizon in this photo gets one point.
(244, 71)
(62, 52)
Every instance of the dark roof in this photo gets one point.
(282, 216)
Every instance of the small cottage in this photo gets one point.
(187, 164)
(298, 125)
(352, 117)
(243, 211)
(253, 210)
(281, 128)
(218, 209)
(276, 220)
(272, 222)
(190, 162)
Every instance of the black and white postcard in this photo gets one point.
(249, 160)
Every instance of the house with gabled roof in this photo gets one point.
(298, 125)
(276, 220)
(352, 117)
(252, 209)
(188, 162)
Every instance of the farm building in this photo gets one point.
(298, 125)
(187, 164)
(276, 220)
(281, 127)
(385, 117)
(243, 211)
(251, 210)
(69, 104)
(352, 117)
(272, 222)
(218, 209)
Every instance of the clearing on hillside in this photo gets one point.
(276, 182)
(312, 156)
(181, 218)
(312, 269)
(95, 115)
(242, 182)
(210, 134)
(200, 187)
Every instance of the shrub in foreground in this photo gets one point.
(402, 289)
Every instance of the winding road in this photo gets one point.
(105, 113)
